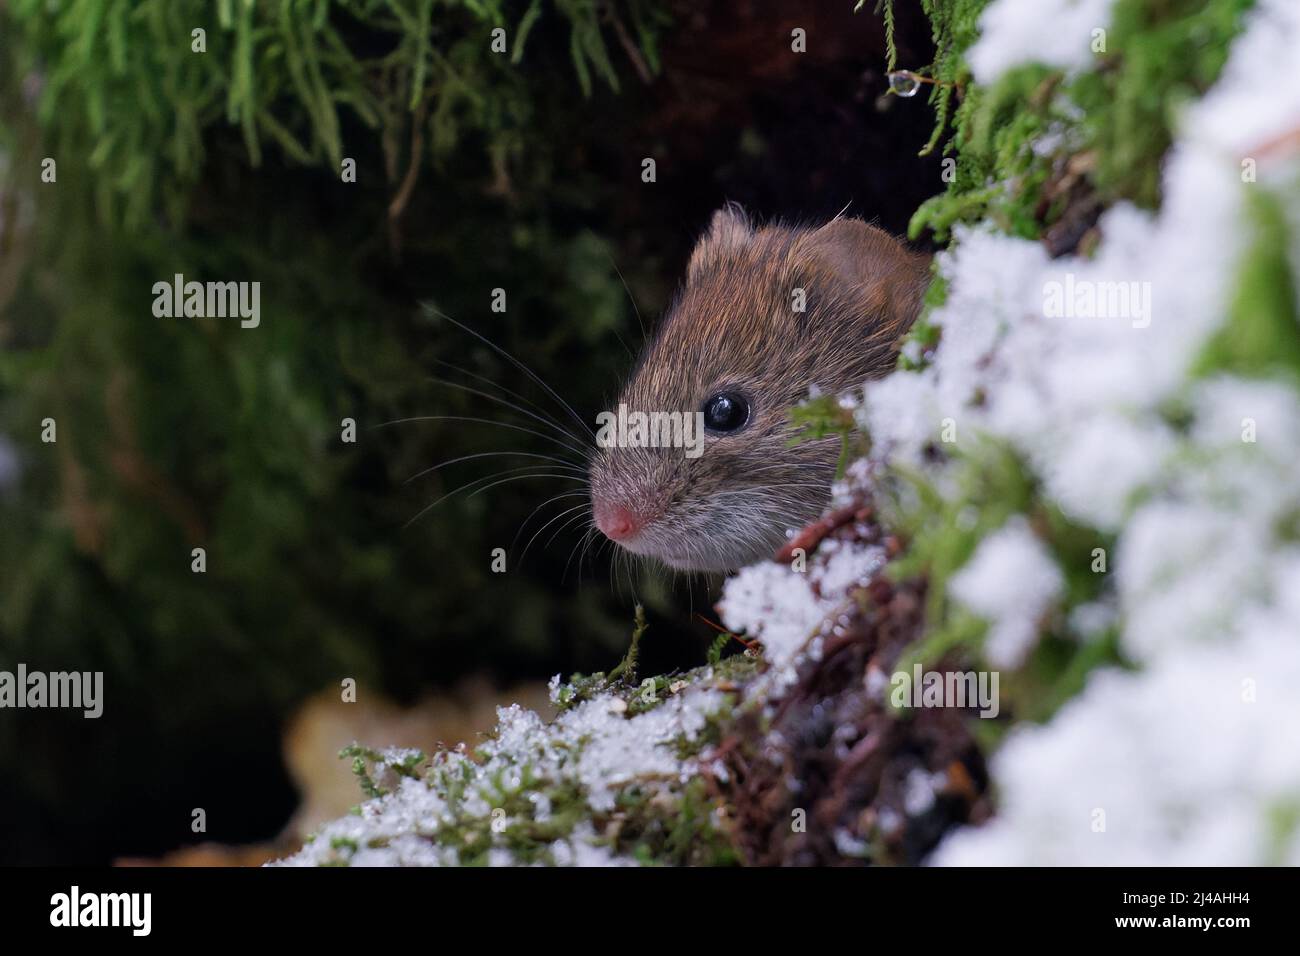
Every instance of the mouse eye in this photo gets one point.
(725, 412)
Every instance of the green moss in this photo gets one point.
(955, 26)
(822, 417)
(1158, 55)
(626, 669)
(126, 89)
(714, 654)
(942, 530)
(656, 821)
(366, 761)
(1262, 334)
(1284, 824)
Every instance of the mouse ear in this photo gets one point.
(886, 278)
(729, 230)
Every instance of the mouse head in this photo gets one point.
(765, 315)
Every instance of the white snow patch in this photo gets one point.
(1012, 581)
(592, 745)
(785, 609)
(1052, 32)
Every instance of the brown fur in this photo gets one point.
(733, 327)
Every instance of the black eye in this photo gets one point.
(725, 412)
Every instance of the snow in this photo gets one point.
(1168, 764)
(1175, 765)
(1011, 580)
(1093, 470)
(1233, 119)
(786, 609)
(1052, 32)
(592, 745)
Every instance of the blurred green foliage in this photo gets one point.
(1261, 336)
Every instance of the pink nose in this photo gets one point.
(616, 522)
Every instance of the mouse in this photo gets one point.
(766, 316)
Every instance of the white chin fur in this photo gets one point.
(699, 557)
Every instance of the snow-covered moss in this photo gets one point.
(1166, 434)
(611, 780)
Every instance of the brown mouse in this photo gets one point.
(735, 348)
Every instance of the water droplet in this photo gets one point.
(904, 83)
